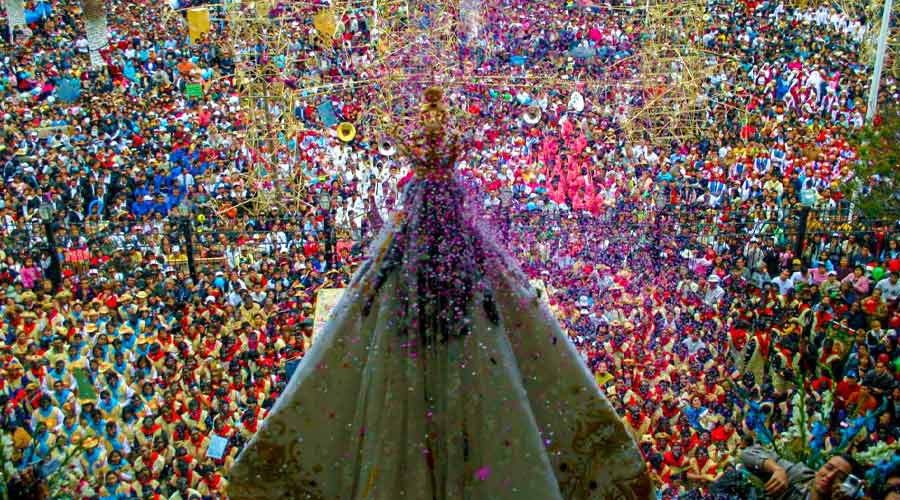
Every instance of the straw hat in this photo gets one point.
(21, 438)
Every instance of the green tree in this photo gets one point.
(874, 187)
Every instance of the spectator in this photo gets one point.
(792, 481)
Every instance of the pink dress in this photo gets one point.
(30, 275)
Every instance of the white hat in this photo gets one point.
(714, 278)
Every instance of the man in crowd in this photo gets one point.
(785, 480)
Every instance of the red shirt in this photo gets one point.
(154, 456)
(720, 435)
(846, 388)
(671, 461)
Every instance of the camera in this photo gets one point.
(852, 487)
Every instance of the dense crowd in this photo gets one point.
(675, 267)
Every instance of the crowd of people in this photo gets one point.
(674, 266)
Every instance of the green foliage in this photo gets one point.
(877, 178)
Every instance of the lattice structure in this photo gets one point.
(874, 12)
(673, 73)
(96, 28)
(265, 55)
(417, 43)
(284, 54)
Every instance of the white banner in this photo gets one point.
(326, 299)
(471, 17)
(96, 29)
(15, 12)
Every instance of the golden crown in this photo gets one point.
(433, 149)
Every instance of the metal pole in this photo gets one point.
(189, 246)
(55, 270)
(374, 30)
(879, 61)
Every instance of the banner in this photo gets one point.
(45, 132)
(217, 446)
(86, 390)
(193, 90)
(78, 255)
(198, 22)
(96, 30)
(326, 299)
(15, 13)
(471, 18)
(327, 114)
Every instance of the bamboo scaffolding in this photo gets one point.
(416, 43)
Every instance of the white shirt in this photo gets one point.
(713, 295)
(888, 290)
(692, 346)
(784, 285)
